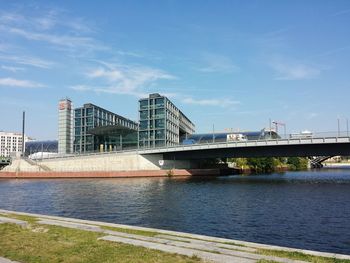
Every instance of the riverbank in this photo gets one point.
(38, 238)
(336, 165)
(118, 174)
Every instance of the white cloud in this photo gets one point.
(28, 60)
(60, 40)
(341, 12)
(294, 71)
(12, 69)
(312, 115)
(212, 63)
(126, 79)
(45, 20)
(211, 102)
(10, 82)
(81, 88)
(47, 26)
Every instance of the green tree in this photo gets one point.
(297, 163)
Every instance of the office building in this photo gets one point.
(65, 118)
(11, 143)
(97, 129)
(161, 122)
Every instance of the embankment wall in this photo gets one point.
(103, 162)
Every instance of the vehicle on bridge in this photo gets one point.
(264, 134)
(301, 135)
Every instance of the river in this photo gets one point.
(309, 209)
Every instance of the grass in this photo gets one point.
(29, 219)
(131, 231)
(41, 243)
(58, 244)
(300, 256)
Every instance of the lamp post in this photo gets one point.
(23, 127)
(213, 133)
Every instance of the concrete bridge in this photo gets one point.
(325, 146)
(186, 156)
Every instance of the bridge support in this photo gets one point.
(316, 162)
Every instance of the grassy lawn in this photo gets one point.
(300, 256)
(46, 243)
(39, 243)
(131, 231)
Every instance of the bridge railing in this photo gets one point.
(215, 141)
(328, 134)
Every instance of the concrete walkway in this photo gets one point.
(210, 249)
(5, 260)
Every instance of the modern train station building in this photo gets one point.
(161, 122)
(91, 128)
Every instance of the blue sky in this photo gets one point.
(234, 64)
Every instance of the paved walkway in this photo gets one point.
(207, 248)
(5, 260)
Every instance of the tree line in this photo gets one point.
(270, 164)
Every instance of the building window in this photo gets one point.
(143, 135)
(77, 113)
(143, 104)
(159, 124)
(89, 112)
(159, 102)
(160, 134)
(143, 125)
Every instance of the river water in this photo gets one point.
(308, 210)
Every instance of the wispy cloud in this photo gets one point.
(46, 19)
(12, 69)
(27, 60)
(341, 12)
(10, 82)
(312, 115)
(294, 71)
(214, 63)
(55, 39)
(124, 79)
(48, 27)
(82, 88)
(211, 102)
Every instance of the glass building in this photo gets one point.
(229, 137)
(161, 122)
(41, 146)
(97, 129)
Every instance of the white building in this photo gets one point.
(65, 120)
(11, 143)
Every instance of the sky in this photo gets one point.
(232, 64)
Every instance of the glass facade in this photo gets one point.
(41, 146)
(161, 122)
(88, 118)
